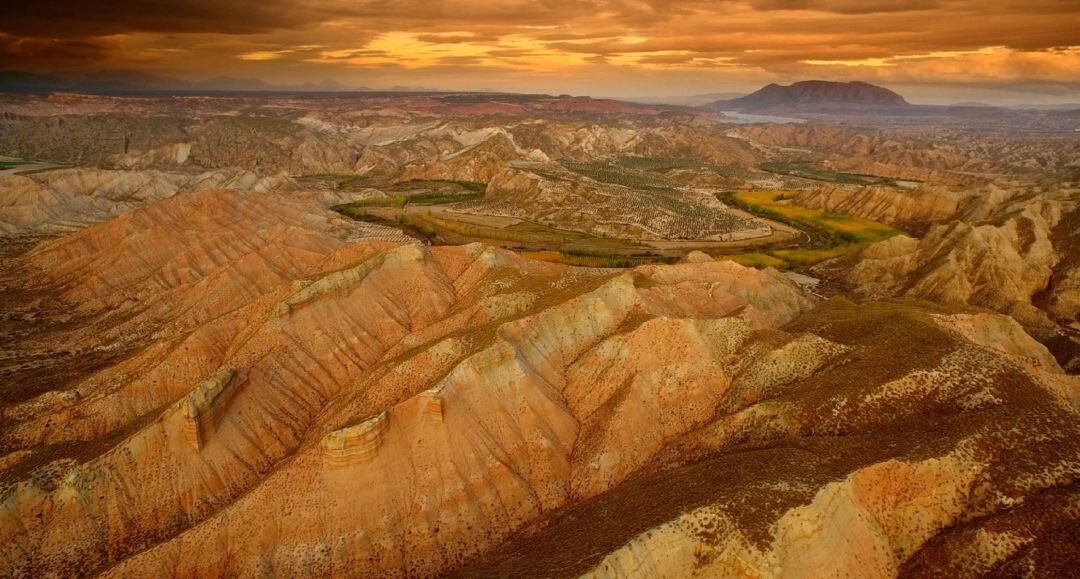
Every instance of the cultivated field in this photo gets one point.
(831, 234)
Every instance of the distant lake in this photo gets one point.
(746, 119)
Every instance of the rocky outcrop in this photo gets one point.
(355, 445)
(816, 95)
(550, 194)
(477, 162)
(205, 408)
(1062, 298)
(309, 339)
(1003, 334)
(893, 154)
(932, 169)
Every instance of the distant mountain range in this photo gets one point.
(810, 97)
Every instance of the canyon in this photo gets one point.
(484, 334)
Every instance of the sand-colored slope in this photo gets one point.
(269, 395)
(66, 200)
(294, 402)
(886, 441)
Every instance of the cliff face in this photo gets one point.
(286, 397)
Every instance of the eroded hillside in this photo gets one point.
(252, 336)
(473, 394)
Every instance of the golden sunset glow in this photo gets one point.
(606, 47)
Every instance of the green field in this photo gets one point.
(831, 234)
(394, 201)
(619, 261)
(849, 228)
(400, 201)
(432, 188)
(755, 260)
(442, 198)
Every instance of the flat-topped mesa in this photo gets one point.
(205, 407)
(355, 444)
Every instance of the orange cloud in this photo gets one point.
(630, 45)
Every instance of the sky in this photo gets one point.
(931, 51)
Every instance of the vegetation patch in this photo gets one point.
(442, 199)
(847, 228)
(817, 173)
(831, 234)
(534, 240)
(387, 201)
(584, 259)
(414, 192)
(755, 259)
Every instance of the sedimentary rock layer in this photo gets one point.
(285, 398)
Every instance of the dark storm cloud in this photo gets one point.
(15, 51)
(73, 18)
